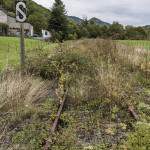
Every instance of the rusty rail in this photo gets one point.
(55, 124)
(133, 113)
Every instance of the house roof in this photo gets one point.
(5, 11)
(17, 25)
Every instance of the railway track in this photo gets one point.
(56, 121)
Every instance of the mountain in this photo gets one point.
(75, 19)
(96, 20)
(146, 27)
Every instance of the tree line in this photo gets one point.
(64, 29)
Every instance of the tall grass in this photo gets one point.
(19, 100)
(21, 91)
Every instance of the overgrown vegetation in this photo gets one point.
(107, 83)
(103, 78)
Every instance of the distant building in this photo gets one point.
(46, 34)
(13, 27)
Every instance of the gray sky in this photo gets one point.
(133, 12)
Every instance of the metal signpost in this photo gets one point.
(21, 10)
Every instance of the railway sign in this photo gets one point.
(21, 16)
(21, 11)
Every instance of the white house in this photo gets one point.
(13, 26)
(46, 34)
(3, 16)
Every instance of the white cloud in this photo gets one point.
(135, 12)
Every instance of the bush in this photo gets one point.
(60, 63)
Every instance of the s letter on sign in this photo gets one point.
(21, 10)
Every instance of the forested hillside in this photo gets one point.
(37, 15)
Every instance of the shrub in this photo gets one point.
(60, 63)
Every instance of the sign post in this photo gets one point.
(21, 17)
(22, 46)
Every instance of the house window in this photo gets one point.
(46, 33)
(1, 29)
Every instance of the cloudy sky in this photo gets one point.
(133, 12)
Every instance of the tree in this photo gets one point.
(82, 32)
(93, 29)
(8, 4)
(130, 32)
(1, 2)
(140, 33)
(135, 33)
(104, 30)
(116, 31)
(72, 30)
(39, 22)
(58, 22)
(85, 22)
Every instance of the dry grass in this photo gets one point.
(115, 65)
(137, 57)
(106, 94)
(21, 91)
(20, 97)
